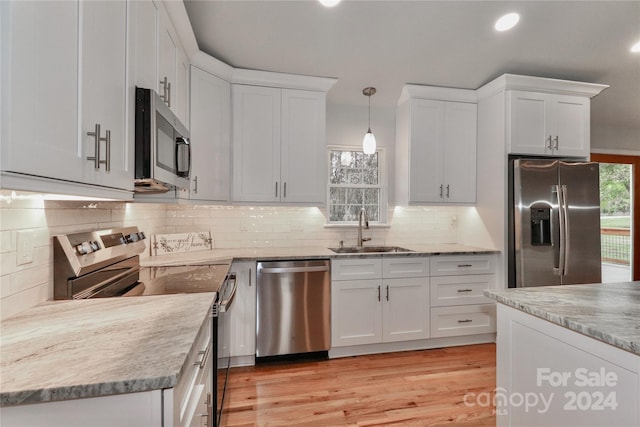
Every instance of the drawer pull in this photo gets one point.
(465, 321)
(202, 358)
(465, 290)
(465, 265)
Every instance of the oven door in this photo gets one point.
(222, 327)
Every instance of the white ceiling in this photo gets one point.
(442, 43)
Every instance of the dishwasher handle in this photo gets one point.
(293, 269)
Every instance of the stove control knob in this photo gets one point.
(94, 245)
(133, 237)
(141, 235)
(84, 248)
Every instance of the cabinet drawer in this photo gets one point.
(356, 269)
(460, 290)
(462, 264)
(463, 320)
(398, 267)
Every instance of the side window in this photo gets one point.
(355, 182)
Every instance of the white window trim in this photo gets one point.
(382, 178)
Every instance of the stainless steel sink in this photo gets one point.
(368, 249)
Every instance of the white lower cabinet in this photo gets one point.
(389, 308)
(458, 306)
(242, 317)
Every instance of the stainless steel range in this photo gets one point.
(106, 263)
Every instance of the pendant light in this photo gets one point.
(369, 141)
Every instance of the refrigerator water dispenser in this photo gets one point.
(540, 226)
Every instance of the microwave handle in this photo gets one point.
(181, 143)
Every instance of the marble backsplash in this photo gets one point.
(23, 285)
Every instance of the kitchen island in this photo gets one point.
(568, 355)
(103, 361)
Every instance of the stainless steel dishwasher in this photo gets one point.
(293, 307)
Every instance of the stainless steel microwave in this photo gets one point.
(162, 148)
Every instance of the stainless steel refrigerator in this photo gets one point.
(554, 223)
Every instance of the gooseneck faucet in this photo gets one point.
(361, 215)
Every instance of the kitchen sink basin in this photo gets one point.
(368, 249)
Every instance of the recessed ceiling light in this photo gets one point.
(507, 22)
(329, 3)
(636, 47)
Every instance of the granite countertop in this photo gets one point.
(72, 349)
(271, 254)
(607, 312)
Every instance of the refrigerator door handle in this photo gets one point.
(567, 231)
(563, 222)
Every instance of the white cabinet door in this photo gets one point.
(405, 309)
(103, 93)
(459, 152)
(441, 151)
(243, 311)
(356, 312)
(303, 148)
(425, 153)
(145, 33)
(256, 144)
(548, 124)
(210, 136)
(571, 124)
(181, 92)
(40, 90)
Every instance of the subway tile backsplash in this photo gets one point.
(25, 285)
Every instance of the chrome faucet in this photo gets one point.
(363, 213)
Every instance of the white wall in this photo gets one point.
(615, 139)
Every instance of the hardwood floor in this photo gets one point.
(414, 388)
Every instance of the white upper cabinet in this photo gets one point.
(103, 93)
(436, 146)
(303, 148)
(256, 144)
(40, 90)
(210, 136)
(145, 31)
(173, 67)
(46, 121)
(548, 124)
(279, 149)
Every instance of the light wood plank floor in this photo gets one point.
(413, 388)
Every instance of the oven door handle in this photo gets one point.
(89, 292)
(226, 303)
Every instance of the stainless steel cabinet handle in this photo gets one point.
(378, 293)
(548, 143)
(276, 188)
(202, 357)
(285, 190)
(465, 321)
(169, 94)
(464, 265)
(249, 277)
(447, 191)
(108, 141)
(555, 143)
(440, 190)
(465, 290)
(195, 184)
(387, 292)
(96, 138)
(164, 82)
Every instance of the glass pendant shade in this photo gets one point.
(369, 143)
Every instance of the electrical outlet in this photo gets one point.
(24, 247)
